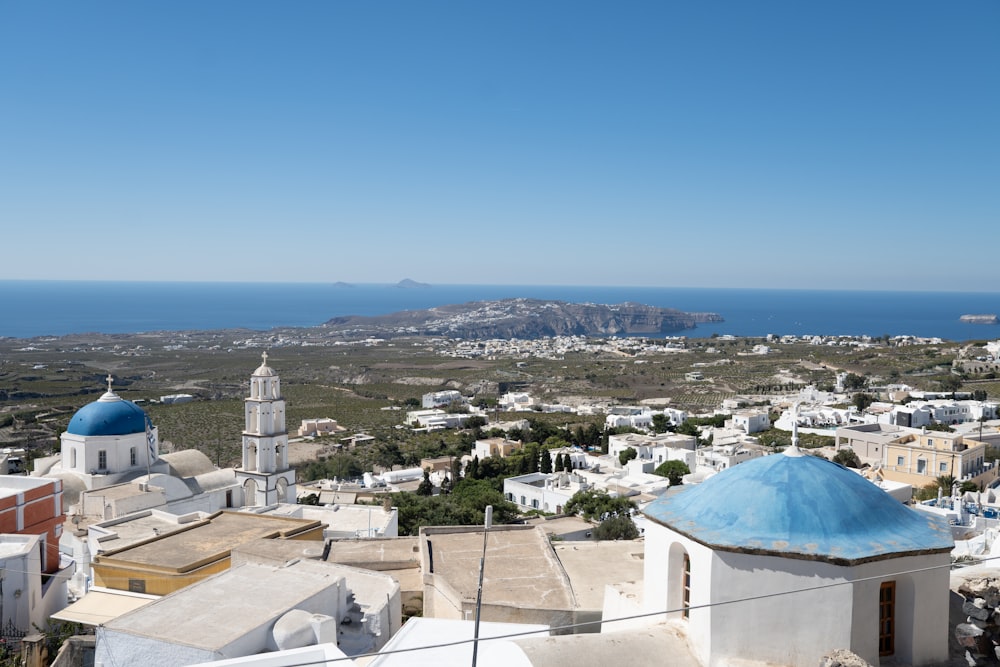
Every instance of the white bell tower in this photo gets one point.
(265, 474)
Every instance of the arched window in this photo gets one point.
(679, 581)
(250, 493)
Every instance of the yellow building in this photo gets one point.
(919, 459)
(167, 563)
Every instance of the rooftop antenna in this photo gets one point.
(479, 595)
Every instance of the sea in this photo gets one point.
(30, 308)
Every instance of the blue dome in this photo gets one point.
(799, 506)
(109, 415)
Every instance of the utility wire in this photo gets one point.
(662, 612)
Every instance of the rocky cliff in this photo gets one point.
(525, 318)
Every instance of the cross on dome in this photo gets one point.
(263, 355)
(110, 380)
(794, 450)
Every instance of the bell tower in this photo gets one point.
(264, 473)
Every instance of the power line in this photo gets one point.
(662, 612)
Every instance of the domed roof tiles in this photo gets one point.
(108, 415)
(799, 506)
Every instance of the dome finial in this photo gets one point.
(109, 395)
(794, 450)
(263, 356)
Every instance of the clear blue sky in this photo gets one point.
(851, 144)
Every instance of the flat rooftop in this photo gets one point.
(138, 527)
(180, 618)
(364, 520)
(593, 564)
(11, 485)
(212, 538)
(521, 568)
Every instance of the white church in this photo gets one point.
(110, 463)
(786, 558)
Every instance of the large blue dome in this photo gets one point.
(109, 415)
(799, 506)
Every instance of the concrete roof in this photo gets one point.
(521, 568)
(358, 519)
(11, 485)
(379, 554)
(188, 463)
(137, 527)
(419, 640)
(397, 557)
(179, 618)
(587, 565)
(657, 645)
(205, 540)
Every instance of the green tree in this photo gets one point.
(862, 400)
(594, 504)
(689, 428)
(616, 528)
(426, 488)
(627, 455)
(545, 463)
(475, 422)
(661, 423)
(855, 382)
(472, 468)
(673, 471)
(950, 383)
(847, 457)
(945, 483)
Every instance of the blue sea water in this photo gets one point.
(43, 308)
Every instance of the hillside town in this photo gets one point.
(690, 534)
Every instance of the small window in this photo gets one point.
(131, 456)
(887, 618)
(102, 459)
(686, 583)
(943, 467)
(921, 467)
(899, 460)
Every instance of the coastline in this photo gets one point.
(54, 308)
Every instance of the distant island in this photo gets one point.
(406, 283)
(524, 318)
(980, 319)
(342, 284)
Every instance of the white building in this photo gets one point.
(751, 421)
(25, 602)
(755, 570)
(266, 607)
(516, 402)
(545, 492)
(438, 398)
(719, 457)
(436, 419)
(634, 417)
(649, 447)
(319, 426)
